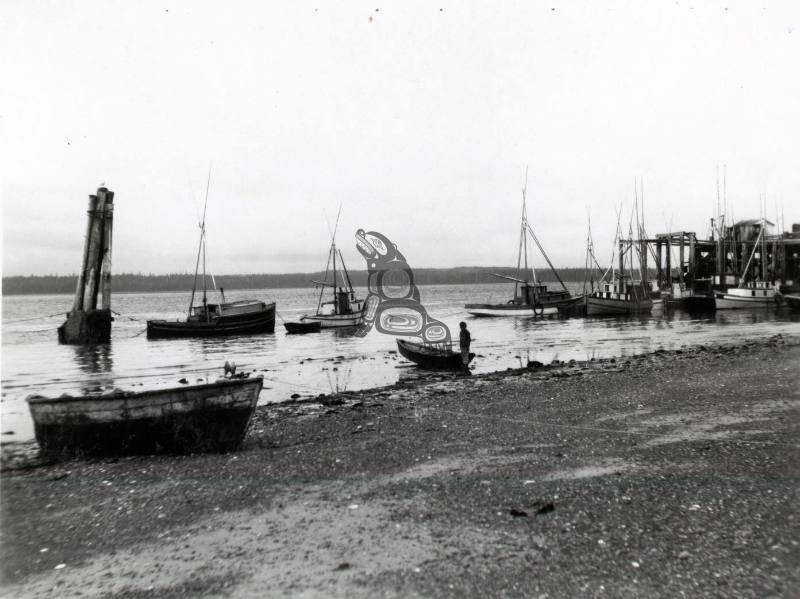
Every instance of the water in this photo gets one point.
(34, 362)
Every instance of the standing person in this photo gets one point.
(464, 339)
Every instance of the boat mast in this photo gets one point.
(200, 248)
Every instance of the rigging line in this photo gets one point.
(590, 428)
(541, 249)
(34, 318)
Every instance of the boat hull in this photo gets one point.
(545, 307)
(262, 321)
(301, 328)
(429, 358)
(700, 303)
(195, 418)
(726, 301)
(333, 321)
(603, 306)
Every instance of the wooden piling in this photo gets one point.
(86, 324)
(105, 268)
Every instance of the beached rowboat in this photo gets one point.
(429, 357)
(188, 419)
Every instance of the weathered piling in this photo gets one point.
(85, 323)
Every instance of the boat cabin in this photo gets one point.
(623, 289)
(530, 295)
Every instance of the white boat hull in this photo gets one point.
(516, 311)
(736, 299)
(333, 321)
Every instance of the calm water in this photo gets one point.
(34, 362)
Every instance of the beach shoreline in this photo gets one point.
(661, 474)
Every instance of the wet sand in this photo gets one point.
(664, 475)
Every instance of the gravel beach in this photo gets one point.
(668, 474)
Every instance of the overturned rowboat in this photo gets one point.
(211, 417)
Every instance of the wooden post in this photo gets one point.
(93, 263)
(692, 273)
(78, 303)
(105, 269)
(682, 258)
(86, 324)
(660, 273)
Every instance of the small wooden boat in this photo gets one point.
(431, 358)
(301, 328)
(242, 317)
(188, 419)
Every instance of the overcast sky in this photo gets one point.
(419, 118)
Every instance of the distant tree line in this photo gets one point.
(130, 282)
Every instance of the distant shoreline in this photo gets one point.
(141, 283)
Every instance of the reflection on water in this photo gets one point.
(96, 361)
(331, 360)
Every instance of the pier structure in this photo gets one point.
(684, 262)
(86, 323)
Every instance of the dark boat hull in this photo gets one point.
(793, 301)
(301, 328)
(196, 418)
(699, 304)
(236, 324)
(429, 358)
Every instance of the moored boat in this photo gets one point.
(211, 417)
(618, 299)
(756, 288)
(343, 309)
(531, 298)
(301, 328)
(750, 296)
(431, 357)
(241, 317)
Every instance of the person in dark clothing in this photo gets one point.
(464, 339)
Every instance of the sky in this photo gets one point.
(419, 119)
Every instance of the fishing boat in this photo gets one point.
(753, 290)
(301, 328)
(341, 308)
(617, 298)
(531, 297)
(241, 317)
(754, 295)
(431, 357)
(211, 417)
(618, 293)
